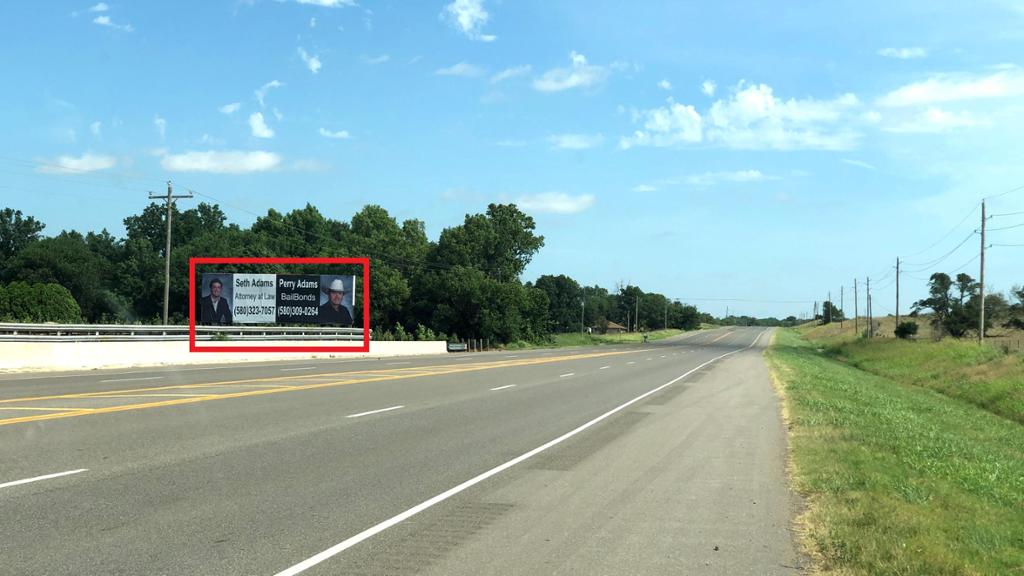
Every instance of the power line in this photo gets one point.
(926, 265)
(1007, 227)
(1017, 189)
(947, 234)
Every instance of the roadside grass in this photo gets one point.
(578, 339)
(899, 479)
(982, 375)
(998, 336)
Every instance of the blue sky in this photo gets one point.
(747, 150)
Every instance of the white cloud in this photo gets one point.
(337, 135)
(740, 176)
(556, 202)
(665, 84)
(510, 143)
(859, 164)
(161, 126)
(669, 126)
(278, 115)
(708, 87)
(328, 3)
(469, 17)
(96, 128)
(644, 188)
(751, 118)
(221, 162)
(461, 69)
(261, 92)
(575, 141)
(259, 126)
(939, 88)
(509, 73)
(105, 20)
(904, 53)
(74, 164)
(101, 7)
(578, 75)
(373, 60)
(230, 108)
(312, 22)
(312, 61)
(933, 121)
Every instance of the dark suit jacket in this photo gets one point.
(219, 317)
(328, 315)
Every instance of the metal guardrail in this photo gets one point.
(142, 333)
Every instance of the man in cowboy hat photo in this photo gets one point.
(334, 311)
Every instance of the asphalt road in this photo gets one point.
(666, 458)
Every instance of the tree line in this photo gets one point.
(466, 283)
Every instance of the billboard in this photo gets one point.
(244, 298)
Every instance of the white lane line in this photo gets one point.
(662, 355)
(648, 358)
(503, 387)
(604, 367)
(628, 363)
(299, 368)
(566, 375)
(397, 363)
(397, 519)
(46, 477)
(512, 356)
(133, 379)
(374, 412)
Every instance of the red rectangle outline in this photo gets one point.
(192, 261)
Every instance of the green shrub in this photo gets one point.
(906, 330)
(24, 302)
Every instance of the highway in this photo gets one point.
(659, 458)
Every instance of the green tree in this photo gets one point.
(16, 232)
(67, 260)
(501, 243)
(564, 301)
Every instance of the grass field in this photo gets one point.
(986, 376)
(998, 336)
(898, 479)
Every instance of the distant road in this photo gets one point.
(665, 458)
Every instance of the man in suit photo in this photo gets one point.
(215, 309)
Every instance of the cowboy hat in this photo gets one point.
(336, 286)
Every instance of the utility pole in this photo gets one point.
(981, 279)
(829, 307)
(636, 318)
(842, 306)
(856, 313)
(897, 292)
(169, 200)
(583, 308)
(871, 324)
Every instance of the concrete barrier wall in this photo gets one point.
(42, 356)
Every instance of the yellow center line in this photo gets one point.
(47, 409)
(372, 376)
(250, 381)
(145, 395)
